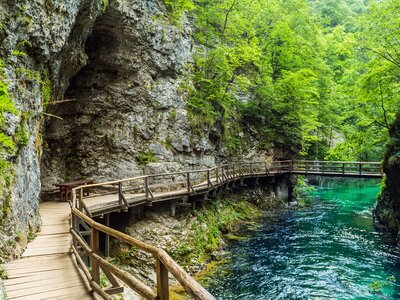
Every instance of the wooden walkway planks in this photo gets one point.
(46, 269)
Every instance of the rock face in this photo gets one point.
(99, 90)
(387, 210)
(41, 48)
(126, 106)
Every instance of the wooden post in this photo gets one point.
(360, 168)
(217, 174)
(80, 200)
(208, 179)
(322, 167)
(107, 237)
(306, 166)
(251, 169)
(172, 211)
(162, 281)
(120, 194)
(343, 168)
(146, 187)
(188, 181)
(94, 245)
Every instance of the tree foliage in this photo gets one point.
(318, 78)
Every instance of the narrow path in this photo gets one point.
(46, 269)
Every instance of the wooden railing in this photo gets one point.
(164, 263)
(85, 231)
(337, 167)
(147, 185)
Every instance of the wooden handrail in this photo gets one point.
(115, 182)
(338, 162)
(188, 283)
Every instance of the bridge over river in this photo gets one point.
(65, 260)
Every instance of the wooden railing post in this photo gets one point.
(217, 174)
(343, 168)
(80, 199)
(188, 181)
(162, 281)
(322, 167)
(94, 245)
(120, 193)
(146, 187)
(208, 178)
(360, 168)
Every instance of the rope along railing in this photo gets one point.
(166, 186)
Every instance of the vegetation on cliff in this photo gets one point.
(315, 77)
(387, 210)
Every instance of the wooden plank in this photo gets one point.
(50, 281)
(51, 294)
(46, 269)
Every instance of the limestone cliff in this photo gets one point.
(91, 88)
(387, 210)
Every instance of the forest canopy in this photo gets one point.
(319, 77)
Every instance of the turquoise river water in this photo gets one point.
(328, 249)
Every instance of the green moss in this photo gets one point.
(219, 218)
(21, 137)
(46, 88)
(126, 255)
(105, 5)
(233, 237)
(31, 236)
(7, 145)
(146, 157)
(3, 273)
(18, 49)
(172, 116)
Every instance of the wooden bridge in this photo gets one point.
(184, 188)
(178, 187)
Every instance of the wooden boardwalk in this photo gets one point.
(46, 269)
(119, 195)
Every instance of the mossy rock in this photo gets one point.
(232, 237)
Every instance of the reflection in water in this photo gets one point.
(327, 250)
